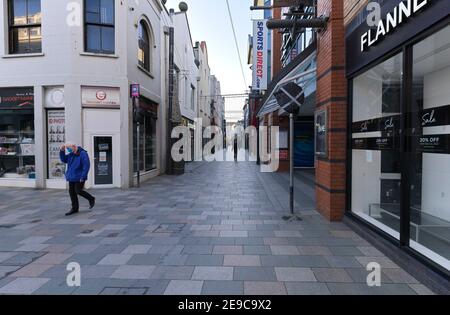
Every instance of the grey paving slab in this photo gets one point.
(115, 259)
(360, 275)
(172, 273)
(6, 270)
(133, 272)
(264, 288)
(343, 261)
(399, 276)
(213, 273)
(242, 260)
(228, 250)
(335, 275)
(198, 249)
(314, 250)
(276, 261)
(229, 288)
(345, 251)
(204, 260)
(97, 271)
(254, 274)
(137, 249)
(307, 288)
(23, 286)
(30, 271)
(308, 261)
(173, 260)
(144, 259)
(188, 234)
(184, 287)
(288, 274)
(284, 250)
(55, 286)
(257, 250)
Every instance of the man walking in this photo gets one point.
(78, 165)
(235, 148)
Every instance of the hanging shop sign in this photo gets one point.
(321, 134)
(56, 136)
(54, 97)
(135, 90)
(398, 16)
(260, 51)
(17, 98)
(100, 97)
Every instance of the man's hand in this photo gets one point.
(62, 147)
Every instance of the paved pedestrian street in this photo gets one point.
(217, 229)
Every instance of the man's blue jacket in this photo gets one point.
(78, 165)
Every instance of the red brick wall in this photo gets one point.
(332, 97)
(277, 42)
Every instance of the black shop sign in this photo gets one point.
(439, 144)
(17, 98)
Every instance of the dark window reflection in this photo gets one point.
(99, 29)
(25, 26)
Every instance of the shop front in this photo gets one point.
(101, 132)
(147, 117)
(17, 136)
(399, 126)
(302, 73)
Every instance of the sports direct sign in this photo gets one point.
(260, 48)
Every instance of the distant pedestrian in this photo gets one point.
(78, 165)
(235, 148)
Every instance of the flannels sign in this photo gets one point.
(260, 49)
(398, 16)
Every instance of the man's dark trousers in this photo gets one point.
(76, 189)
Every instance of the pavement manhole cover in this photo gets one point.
(170, 228)
(123, 291)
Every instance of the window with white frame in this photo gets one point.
(24, 26)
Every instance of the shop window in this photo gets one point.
(17, 141)
(147, 138)
(192, 97)
(99, 26)
(144, 44)
(429, 147)
(25, 26)
(376, 174)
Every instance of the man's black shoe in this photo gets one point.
(71, 212)
(92, 203)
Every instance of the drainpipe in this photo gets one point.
(171, 95)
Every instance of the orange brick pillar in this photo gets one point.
(332, 97)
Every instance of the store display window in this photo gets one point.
(17, 139)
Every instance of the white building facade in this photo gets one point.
(204, 96)
(186, 72)
(65, 73)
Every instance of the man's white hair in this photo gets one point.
(70, 144)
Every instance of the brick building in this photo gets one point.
(380, 118)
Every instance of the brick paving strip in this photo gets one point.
(218, 229)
